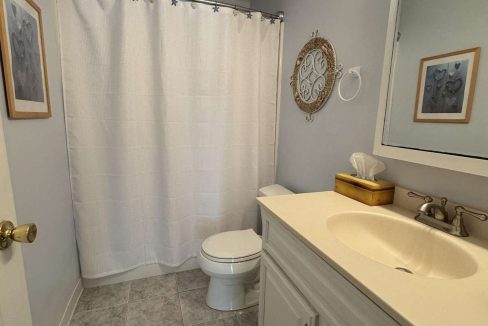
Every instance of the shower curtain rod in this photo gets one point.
(279, 15)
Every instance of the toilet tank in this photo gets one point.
(274, 190)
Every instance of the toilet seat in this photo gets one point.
(231, 260)
(232, 246)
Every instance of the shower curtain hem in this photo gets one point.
(127, 269)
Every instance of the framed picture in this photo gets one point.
(24, 60)
(446, 86)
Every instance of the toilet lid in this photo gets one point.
(233, 245)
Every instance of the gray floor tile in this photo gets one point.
(221, 322)
(163, 311)
(250, 309)
(151, 287)
(156, 301)
(248, 317)
(191, 280)
(195, 311)
(103, 296)
(114, 316)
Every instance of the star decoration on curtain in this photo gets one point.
(174, 2)
(215, 8)
(249, 15)
(272, 21)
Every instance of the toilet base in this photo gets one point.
(228, 294)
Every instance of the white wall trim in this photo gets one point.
(440, 160)
(72, 302)
(141, 272)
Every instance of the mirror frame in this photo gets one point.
(444, 161)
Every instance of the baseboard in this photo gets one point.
(140, 272)
(71, 306)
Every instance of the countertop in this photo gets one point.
(408, 298)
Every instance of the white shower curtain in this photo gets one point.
(170, 114)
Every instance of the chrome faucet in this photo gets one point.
(436, 216)
(430, 209)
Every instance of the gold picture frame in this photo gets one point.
(446, 86)
(24, 60)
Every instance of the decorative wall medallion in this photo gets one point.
(314, 75)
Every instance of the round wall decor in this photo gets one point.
(314, 75)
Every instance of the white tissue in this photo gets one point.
(366, 166)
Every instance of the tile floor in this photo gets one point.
(174, 300)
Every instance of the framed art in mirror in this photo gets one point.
(24, 60)
(446, 86)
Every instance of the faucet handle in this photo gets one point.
(444, 201)
(426, 199)
(460, 210)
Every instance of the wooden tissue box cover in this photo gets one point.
(372, 193)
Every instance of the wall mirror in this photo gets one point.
(314, 75)
(433, 104)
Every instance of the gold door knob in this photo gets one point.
(23, 233)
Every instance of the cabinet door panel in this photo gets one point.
(281, 304)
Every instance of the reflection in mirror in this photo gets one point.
(436, 99)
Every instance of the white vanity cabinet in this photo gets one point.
(299, 288)
(285, 305)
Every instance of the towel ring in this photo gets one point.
(356, 72)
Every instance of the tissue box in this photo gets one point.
(372, 193)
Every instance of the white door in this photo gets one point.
(14, 300)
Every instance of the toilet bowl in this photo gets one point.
(232, 261)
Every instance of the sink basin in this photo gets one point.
(403, 244)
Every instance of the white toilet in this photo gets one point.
(232, 259)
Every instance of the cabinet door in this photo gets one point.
(281, 304)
